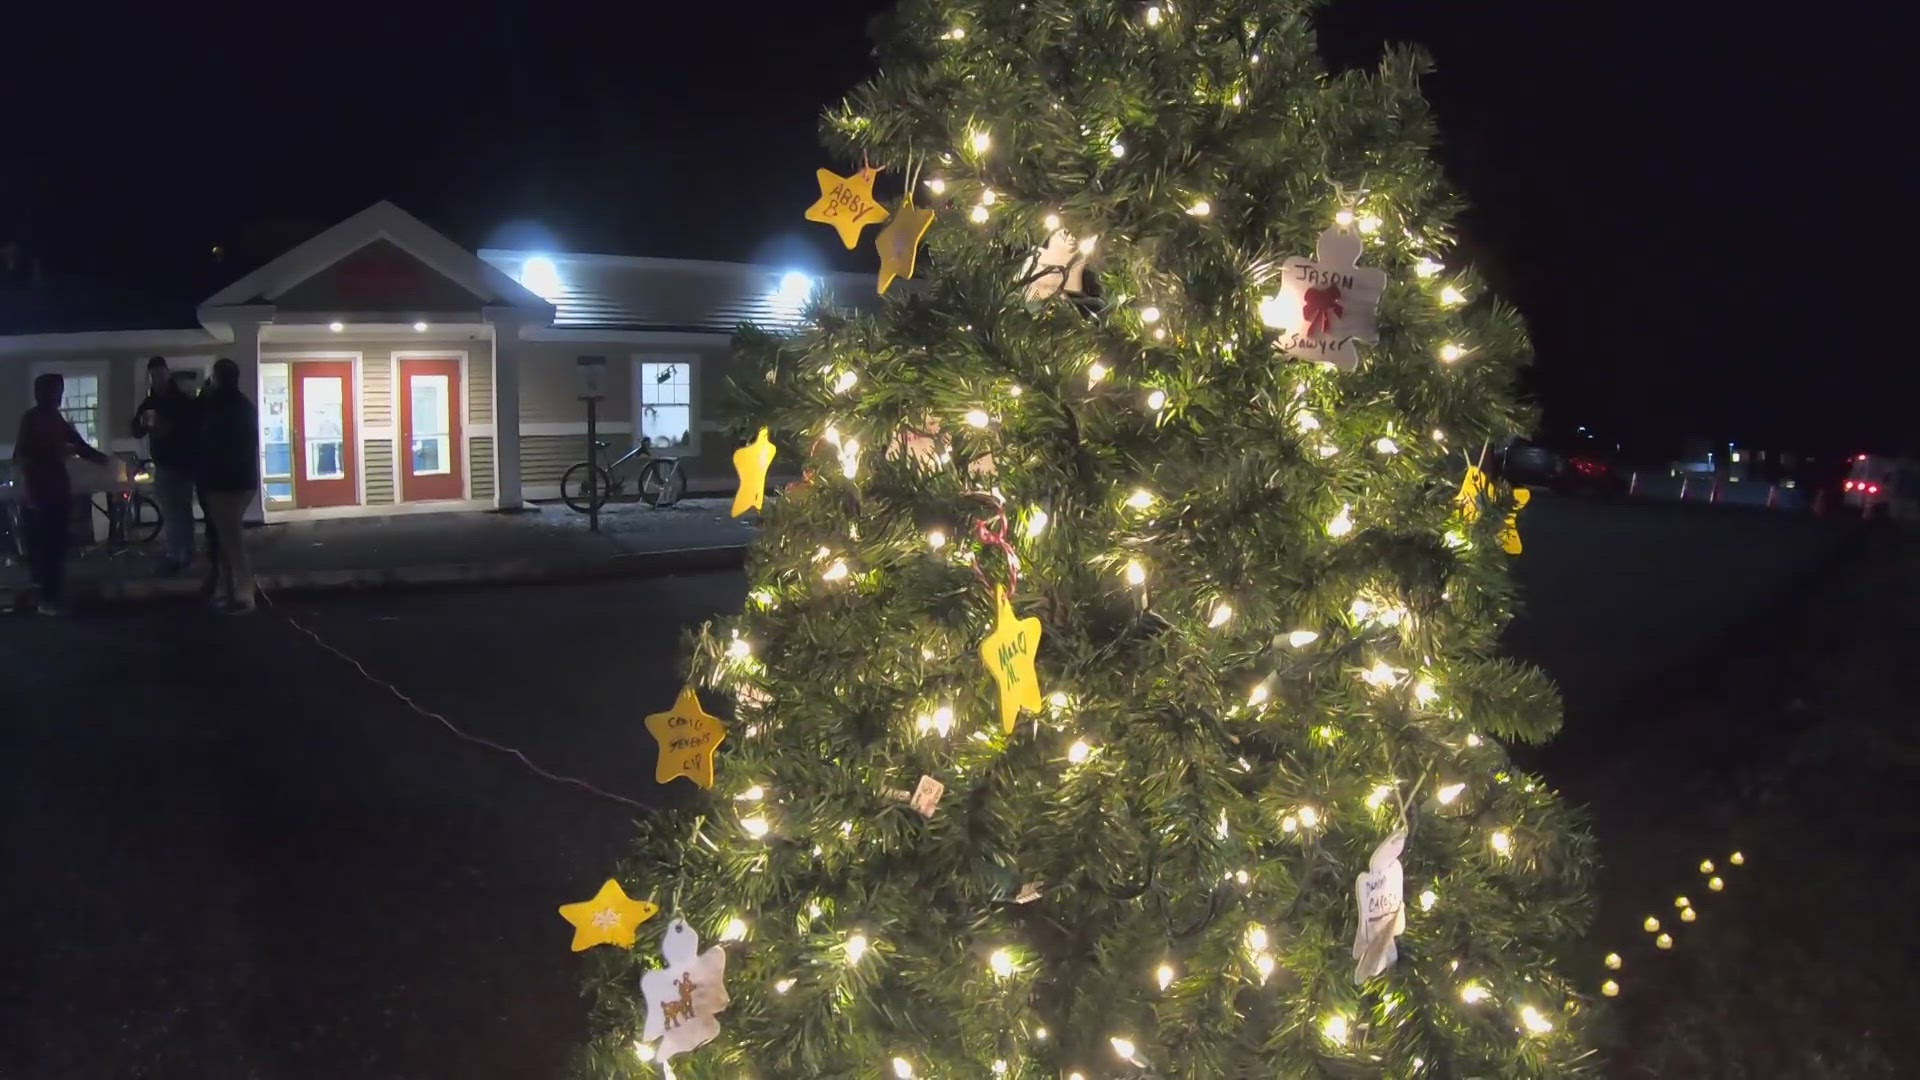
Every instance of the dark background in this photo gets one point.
(1690, 202)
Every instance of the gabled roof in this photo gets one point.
(381, 221)
(622, 292)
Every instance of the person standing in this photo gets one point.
(166, 420)
(229, 479)
(40, 452)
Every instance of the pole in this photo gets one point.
(593, 465)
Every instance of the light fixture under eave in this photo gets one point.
(420, 328)
(336, 326)
(790, 296)
(541, 276)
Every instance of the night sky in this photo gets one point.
(1690, 208)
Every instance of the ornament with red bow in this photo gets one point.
(1326, 303)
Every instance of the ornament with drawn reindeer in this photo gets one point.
(685, 998)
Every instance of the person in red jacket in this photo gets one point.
(40, 452)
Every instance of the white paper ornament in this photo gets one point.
(1060, 264)
(1380, 899)
(1326, 303)
(684, 998)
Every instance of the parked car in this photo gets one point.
(1882, 486)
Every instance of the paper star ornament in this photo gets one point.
(688, 739)
(685, 998)
(1510, 532)
(751, 462)
(846, 203)
(899, 242)
(1380, 894)
(1008, 653)
(610, 918)
(1326, 303)
(1475, 489)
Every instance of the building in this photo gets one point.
(398, 372)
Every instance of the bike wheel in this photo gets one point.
(585, 486)
(143, 520)
(662, 483)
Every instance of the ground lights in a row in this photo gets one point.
(1687, 913)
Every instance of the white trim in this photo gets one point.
(383, 433)
(577, 427)
(382, 221)
(479, 429)
(93, 340)
(692, 361)
(668, 339)
(322, 513)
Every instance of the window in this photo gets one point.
(276, 436)
(432, 452)
(323, 420)
(666, 404)
(81, 406)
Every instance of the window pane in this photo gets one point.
(276, 441)
(323, 417)
(669, 426)
(324, 460)
(430, 393)
(665, 384)
(430, 455)
(81, 406)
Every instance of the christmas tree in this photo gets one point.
(1118, 693)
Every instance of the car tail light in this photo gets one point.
(1873, 489)
(1848, 486)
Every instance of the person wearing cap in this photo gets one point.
(167, 420)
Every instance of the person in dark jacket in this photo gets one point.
(229, 480)
(40, 452)
(167, 420)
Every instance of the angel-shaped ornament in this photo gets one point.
(1380, 895)
(685, 998)
(1060, 265)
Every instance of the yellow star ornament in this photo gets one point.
(1008, 653)
(751, 462)
(610, 918)
(846, 203)
(1474, 488)
(1510, 532)
(899, 242)
(688, 739)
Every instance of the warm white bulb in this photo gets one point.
(735, 930)
(1123, 1047)
(1737, 859)
(1474, 993)
(1706, 866)
(1149, 314)
(1380, 675)
(1200, 208)
(1535, 1023)
(937, 186)
(1156, 400)
(1427, 268)
(1343, 218)
(980, 141)
(1715, 883)
(1264, 964)
(903, 1069)
(1451, 296)
(739, 648)
(1451, 352)
(999, 1067)
(1688, 915)
(1256, 938)
(1502, 842)
(1163, 975)
(643, 1050)
(1664, 941)
(856, 947)
(988, 197)
(978, 215)
(1610, 988)
(943, 720)
(1439, 436)
(936, 539)
(1449, 793)
(1088, 243)
(845, 381)
(1370, 224)
(1036, 523)
(1095, 372)
(835, 571)
(1335, 1029)
(1001, 963)
(978, 418)
(1136, 574)
(1425, 692)
(1117, 148)
(1140, 499)
(1306, 421)
(1153, 19)
(1386, 445)
(1058, 699)
(752, 794)
(1222, 612)
(1342, 522)
(1309, 817)
(1274, 311)
(958, 33)
(1051, 223)
(1258, 695)
(1078, 752)
(1428, 898)
(756, 826)
(1378, 796)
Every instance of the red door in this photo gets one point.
(430, 430)
(324, 434)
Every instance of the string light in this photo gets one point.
(999, 1067)
(1425, 692)
(978, 418)
(978, 215)
(1377, 796)
(1258, 695)
(1474, 993)
(1036, 522)
(937, 186)
(1682, 902)
(1306, 421)
(1156, 400)
(1446, 795)
(1426, 268)
(783, 986)
(1687, 915)
(981, 141)
(1502, 843)
(1706, 866)
(1335, 1029)
(735, 930)
(856, 947)
(1428, 898)
(1153, 19)
(1051, 223)
(903, 1069)
(1344, 218)
(1309, 817)
(1149, 314)
(1534, 1022)
(1256, 938)
(1163, 975)
(846, 381)
(936, 539)
(1451, 352)
(1117, 148)
(1386, 445)
(643, 1050)
(837, 571)
(1136, 574)
(1079, 752)
(756, 826)
(739, 648)
(1370, 224)
(1095, 372)
(1222, 614)
(752, 794)
(957, 33)
(1001, 962)
(1300, 639)
(1342, 522)
(1200, 208)
(1379, 676)
(1123, 1047)
(1452, 297)
(1141, 499)
(1264, 965)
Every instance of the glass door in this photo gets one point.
(321, 440)
(276, 435)
(430, 430)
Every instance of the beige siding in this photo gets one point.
(543, 458)
(376, 394)
(377, 458)
(480, 459)
(480, 389)
(125, 368)
(550, 384)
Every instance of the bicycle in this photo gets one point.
(139, 519)
(587, 486)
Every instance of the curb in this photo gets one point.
(528, 571)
